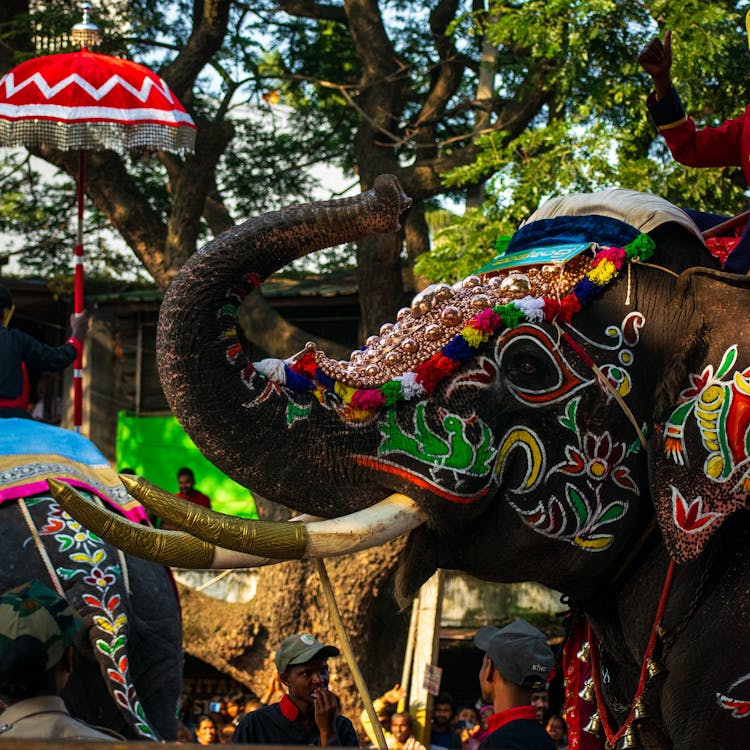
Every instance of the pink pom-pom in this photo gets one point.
(368, 398)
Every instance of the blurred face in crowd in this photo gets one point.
(186, 483)
(442, 713)
(400, 727)
(467, 715)
(206, 732)
(556, 729)
(234, 709)
(540, 701)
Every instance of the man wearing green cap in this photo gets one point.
(308, 713)
(37, 628)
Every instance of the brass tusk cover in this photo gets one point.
(173, 548)
(279, 540)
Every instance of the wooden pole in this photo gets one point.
(409, 655)
(346, 647)
(426, 650)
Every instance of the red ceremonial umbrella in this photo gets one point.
(87, 101)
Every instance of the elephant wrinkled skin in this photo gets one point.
(582, 422)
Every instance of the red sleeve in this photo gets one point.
(708, 147)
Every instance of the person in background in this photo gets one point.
(186, 483)
(235, 708)
(217, 710)
(20, 352)
(557, 730)
(402, 731)
(309, 713)
(465, 723)
(187, 491)
(727, 145)
(274, 691)
(517, 660)
(441, 733)
(540, 701)
(480, 732)
(385, 706)
(37, 629)
(184, 734)
(206, 731)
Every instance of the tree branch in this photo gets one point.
(209, 28)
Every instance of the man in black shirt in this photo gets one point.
(18, 351)
(517, 661)
(308, 714)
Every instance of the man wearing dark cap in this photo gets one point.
(19, 351)
(37, 628)
(517, 661)
(308, 714)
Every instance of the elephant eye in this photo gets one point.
(527, 365)
(522, 366)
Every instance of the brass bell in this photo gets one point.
(594, 725)
(584, 653)
(588, 693)
(639, 710)
(653, 668)
(630, 740)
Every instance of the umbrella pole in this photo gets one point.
(78, 295)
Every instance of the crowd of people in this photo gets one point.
(38, 629)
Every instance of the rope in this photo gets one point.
(614, 737)
(40, 547)
(604, 383)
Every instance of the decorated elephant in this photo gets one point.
(576, 414)
(128, 656)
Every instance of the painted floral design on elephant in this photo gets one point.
(580, 516)
(89, 560)
(721, 410)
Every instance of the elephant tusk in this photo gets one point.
(394, 516)
(278, 540)
(173, 548)
(283, 540)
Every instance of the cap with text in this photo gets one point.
(518, 651)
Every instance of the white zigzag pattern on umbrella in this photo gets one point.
(96, 93)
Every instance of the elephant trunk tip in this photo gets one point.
(387, 187)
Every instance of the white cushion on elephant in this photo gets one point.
(643, 211)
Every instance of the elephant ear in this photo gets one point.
(700, 457)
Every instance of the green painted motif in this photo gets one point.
(455, 451)
(295, 413)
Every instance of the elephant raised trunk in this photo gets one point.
(198, 335)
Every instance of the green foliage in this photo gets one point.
(594, 132)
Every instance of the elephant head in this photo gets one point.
(537, 419)
(526, 407)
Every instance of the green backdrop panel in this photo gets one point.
(156, 447)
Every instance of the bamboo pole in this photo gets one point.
(409, 655)
(346, 647)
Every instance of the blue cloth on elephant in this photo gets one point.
(32, 452)
(604, 230)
